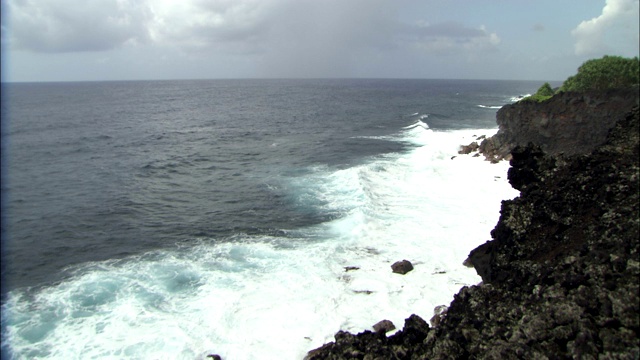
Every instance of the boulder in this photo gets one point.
(402, 267)
(384, 326)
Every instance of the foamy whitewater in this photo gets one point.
(278, 295)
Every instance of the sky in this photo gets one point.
(96, 40)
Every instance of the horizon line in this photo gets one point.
(268, 79)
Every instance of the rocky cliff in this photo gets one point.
(561, 277)
(569, 123)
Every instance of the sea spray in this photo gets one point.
(279, 296)
(180, 218)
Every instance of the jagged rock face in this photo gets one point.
(569, 123)
(375, 346)
(468, 149)
(562, 272)
(561, 277)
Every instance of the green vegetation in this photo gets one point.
(609, 72)
(544, 92)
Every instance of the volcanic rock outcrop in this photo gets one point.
(569, 123)
(561, 277)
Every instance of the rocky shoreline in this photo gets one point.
(569, 123)
(561, 275)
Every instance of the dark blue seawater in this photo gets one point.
(106, 180)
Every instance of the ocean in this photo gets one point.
(176, 219)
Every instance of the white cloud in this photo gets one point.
(451, 38)
(614, 31)
(199, 24)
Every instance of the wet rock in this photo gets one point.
(480, 259)
(366, 292)
(402, 267)
(367, 345)
(467, 149)
(415, 330)
(439, 313)
(384, 326)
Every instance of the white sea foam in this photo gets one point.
(278, 297)
(518, 97)
(418, 123)
(511, 99)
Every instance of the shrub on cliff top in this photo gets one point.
(544, 92)
(609, 72)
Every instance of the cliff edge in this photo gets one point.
(561, 275)
(568, 123)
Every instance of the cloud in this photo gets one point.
(236, 26)
(266, 38)
(68, 25)
(451, 38)
(615, 30)
(326, 38)
(99, 25)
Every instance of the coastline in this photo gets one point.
(561, 273)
